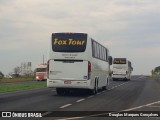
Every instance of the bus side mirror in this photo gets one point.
(110, 60)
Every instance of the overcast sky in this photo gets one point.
(129, 28)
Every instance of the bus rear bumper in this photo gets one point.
(122, 76)
(80, 84)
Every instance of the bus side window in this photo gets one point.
(106, 55)
(110, 60)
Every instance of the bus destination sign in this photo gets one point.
(69, 42)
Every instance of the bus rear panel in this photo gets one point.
(121, 69)
(71, 64)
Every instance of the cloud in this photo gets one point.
(126, 27)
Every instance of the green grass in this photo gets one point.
(17, 79)
(156, 77)
(21, 86)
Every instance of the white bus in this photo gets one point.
(122, 69)
(76, 61)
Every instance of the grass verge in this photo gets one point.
(156, 77)
(23, 86)
(17, 79)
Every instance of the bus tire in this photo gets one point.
(95, 90)
(105, 87)
(125, 79)
(59, 91)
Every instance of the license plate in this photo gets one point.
(67, 82)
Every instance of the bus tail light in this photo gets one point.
(48, 69)
(89, 70)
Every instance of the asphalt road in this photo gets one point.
(140, 94)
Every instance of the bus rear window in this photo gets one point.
(69, 42)
(119, 61)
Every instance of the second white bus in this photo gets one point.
(76, 61)
(122, 69)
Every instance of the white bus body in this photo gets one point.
(122, 69)
(76, 61)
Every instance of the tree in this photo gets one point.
(152, 72)
(156, 71)
(1, 75)
(17, 71)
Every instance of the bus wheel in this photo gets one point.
(95, 90)
(59, 91)
(125, 79)
(105, 87)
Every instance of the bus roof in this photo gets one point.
(68, 33)
(41, 66)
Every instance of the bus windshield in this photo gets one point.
(69, 42)
(41, 69)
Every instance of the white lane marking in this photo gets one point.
(73, 118)
(64, 106)
(116, 86)
(70, 118)
(142, 106)
(80, 100)
(90, 96)
(46, 113)
(83, 100)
